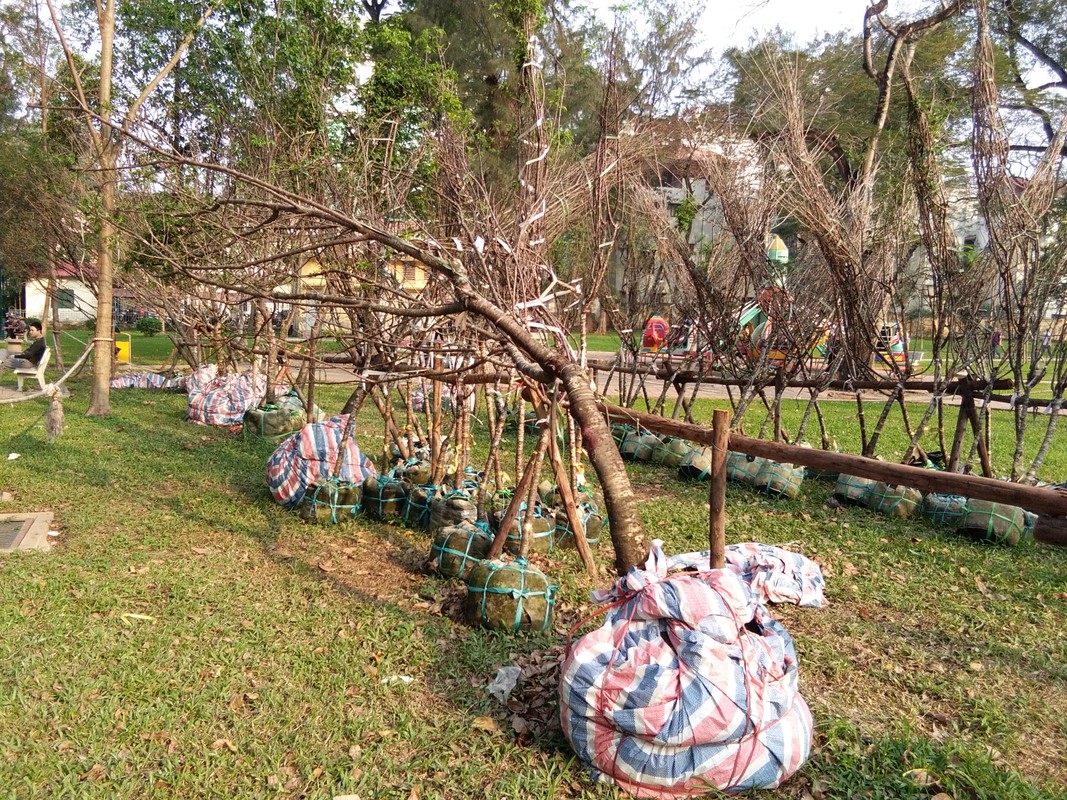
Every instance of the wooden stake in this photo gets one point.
(521, 488)
(720, 444)
(566, 493)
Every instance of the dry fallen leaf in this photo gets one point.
(414, 794)
(201, 551)
(95, 773)
(485, 724)
(220, 743)
(920, 777)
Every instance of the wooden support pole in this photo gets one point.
(521, 488)
(1032, 498)
(967, 406)
(720, 444)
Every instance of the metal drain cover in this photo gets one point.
(25, 531)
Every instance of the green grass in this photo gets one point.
(190, 638)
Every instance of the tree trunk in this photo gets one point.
(627, 530)
(103, 351)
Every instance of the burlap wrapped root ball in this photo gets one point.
(997, 523)
(779, 480)
(456, 549)
(384, 497)
(509, 597)
(896, 501)
(331, 502)
(852, 489)
(696, 466)
(742, 468)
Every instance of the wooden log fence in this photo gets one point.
(1049, 504)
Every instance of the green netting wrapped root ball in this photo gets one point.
(331, 502)
(671, 452)
(417, 506)
(647, 445)
(271, 422)
(452, 508)
(383, 497)
(742, 468)
(945, 509)
(998, 523)
(780, 480)
(592, 523)
(455, 550)
(852, 489)
(896, 501)
(630, 444)
(542, 531)
(509, 597)
(619, 432)
(696, 466)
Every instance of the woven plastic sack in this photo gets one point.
(319, 451)
(331, 501)
(696, 466)
(688, 685)
(852, 489)
(773, 574)
(779, 480)
(742, 468)
(510, 597)
(998, 523)
(148, 380)
(451, 508)
(896, 501)
(592, 525)
(457, 549)
(945, 509)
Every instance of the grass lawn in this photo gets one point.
(189, 638)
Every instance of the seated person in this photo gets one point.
(31, 356)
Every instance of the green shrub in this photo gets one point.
(90, 324)
(149, 326)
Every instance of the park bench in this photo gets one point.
(21, 373)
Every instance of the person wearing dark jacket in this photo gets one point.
(31, 356)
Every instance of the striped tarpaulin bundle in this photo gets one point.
(688, 686)
(773, 574)
(147, 380)
(318, 452)
(225, 400)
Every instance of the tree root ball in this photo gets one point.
(509, 597)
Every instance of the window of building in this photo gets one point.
(65, 298)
